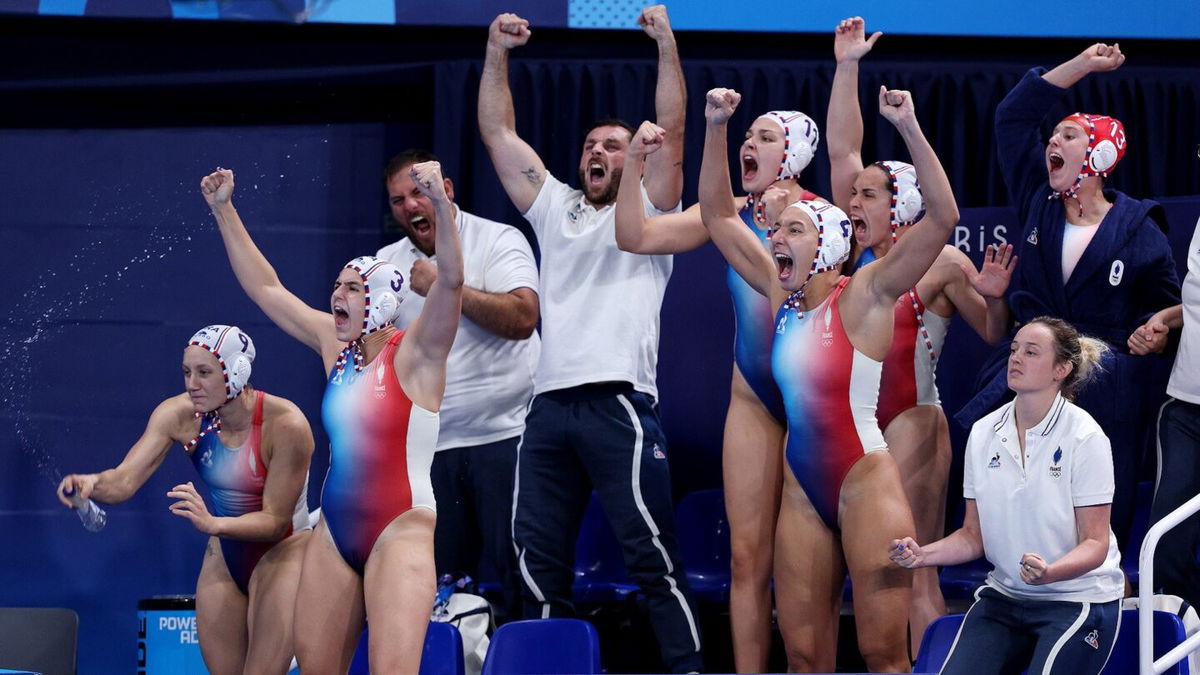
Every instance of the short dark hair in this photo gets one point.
(610, 122)
(405, 158)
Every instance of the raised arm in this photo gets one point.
(1020, 145)
(912, 256)
(844, 124)
(1095, 59)
(432, 333)
(979, 295)
(113, 486)
(520, 169)
(664, 169)
(669, 233)
(291, 451)
(512, 315)
(718, 210)
(256, 276)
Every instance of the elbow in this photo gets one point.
(452, 280)
(522, 331)
(280, 526)
(525, 324)
(628, 243)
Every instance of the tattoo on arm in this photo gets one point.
(531, 174)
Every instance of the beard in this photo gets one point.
(602, 196)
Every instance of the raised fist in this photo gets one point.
(719, 104)
(896, 105)
(655, 22)
(217, 187)
(508, 31)
(428, 178)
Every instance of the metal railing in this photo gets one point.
(1147, 665)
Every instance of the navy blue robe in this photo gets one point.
(1126, 273)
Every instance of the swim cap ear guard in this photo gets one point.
(907, 203)
(800, 140)
(234, 351)
(384, 287)
(1106, 148)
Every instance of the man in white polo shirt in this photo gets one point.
(489, 376)
(593, 423)
(1175, 568)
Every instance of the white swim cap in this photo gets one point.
(800, 139)
(907, 203)
(234, 351)
(384, 286)
(833, 234)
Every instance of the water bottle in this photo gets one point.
(441, 601)
(89, 512)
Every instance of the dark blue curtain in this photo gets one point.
(555, 100)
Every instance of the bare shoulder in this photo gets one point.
(951, 255)
(284, 416)
(175, 417)
(947, 268)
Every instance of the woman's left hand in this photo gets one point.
(1034, 570)
(191, 506)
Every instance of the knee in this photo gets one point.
(803, 658)
(750, 562)
(884, 655)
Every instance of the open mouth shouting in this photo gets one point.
(341, 317)
(420, 224)
(1055, 162)
(785, 265)
(596, 173)
(749, 167)
(861, 231)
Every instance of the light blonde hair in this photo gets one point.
(1082, 352)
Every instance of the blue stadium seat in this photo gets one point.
(1168, 632)
(543, 647)
(442, 653)
(959, 582)
(704, 544)
(935, 644)
(600, 575)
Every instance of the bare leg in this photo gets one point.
(809, 570)
(752, 464)
(220, 615)
(873, 511)
(399, 586)
(329, 607)
(273, 588)
(919, 439)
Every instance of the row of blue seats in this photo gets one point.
(535, 646)
(703, 531)
(548, 646)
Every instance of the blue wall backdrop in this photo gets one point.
(111, 262)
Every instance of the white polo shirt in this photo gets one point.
(1031, 509)
(1185, 375)
(489, 379)
(600, 304)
